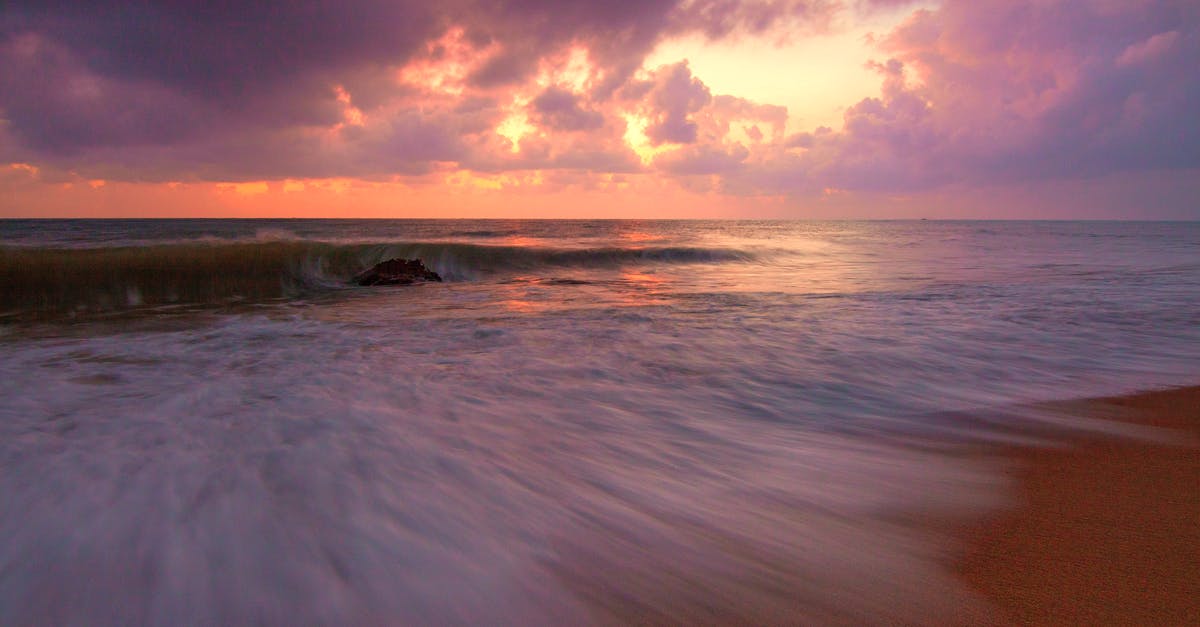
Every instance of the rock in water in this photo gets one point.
(396, 272)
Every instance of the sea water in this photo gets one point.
(206, 422)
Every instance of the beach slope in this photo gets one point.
(1103, 530)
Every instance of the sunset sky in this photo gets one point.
(579, 108)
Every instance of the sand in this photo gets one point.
(1103, 530)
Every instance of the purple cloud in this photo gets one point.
(703, 160)
(672, 94)
(979, 93)
(720, 18)
(559, 109)
(129, 81)
(999, 92)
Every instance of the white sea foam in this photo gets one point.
(287, 470)
(541, 445)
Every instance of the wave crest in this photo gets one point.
(56, 281)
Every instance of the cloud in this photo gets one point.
(670, 95)
(57, 105)
(559, 109)
(978, 93)
(126, 82)
(1000, 92)
(1035, 89)
(721, 18)
(1147, 51)
(703, 160)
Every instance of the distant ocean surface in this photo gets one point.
(203, 421)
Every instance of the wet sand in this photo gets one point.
(1103, 530)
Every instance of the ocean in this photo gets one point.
(205, 422)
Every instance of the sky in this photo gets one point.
(822, 109)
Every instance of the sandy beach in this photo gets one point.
(1103, 530)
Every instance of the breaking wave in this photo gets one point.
(41, 282)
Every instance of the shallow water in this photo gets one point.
(202, 422)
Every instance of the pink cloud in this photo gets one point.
(977, 93)
(560, 109)
(670, 96)
(993, 91)
(1147, 51)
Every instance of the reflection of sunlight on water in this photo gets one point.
(520, 241)
(639, 236)
(642, 278)
(522, 306)
(529, 294)
(647, 289)
(520, 296)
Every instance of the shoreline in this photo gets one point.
(1102, 529)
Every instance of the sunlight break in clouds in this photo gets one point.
(905, 108)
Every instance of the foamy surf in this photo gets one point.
(573, 435)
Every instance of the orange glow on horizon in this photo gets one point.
(252, 188)
(466, 179)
